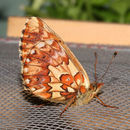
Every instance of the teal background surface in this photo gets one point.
(10, 8)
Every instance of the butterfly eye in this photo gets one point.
(94, 86)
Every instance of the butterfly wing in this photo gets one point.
(49, 69)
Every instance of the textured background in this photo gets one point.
(20, 111)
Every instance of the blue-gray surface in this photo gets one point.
(18, 110)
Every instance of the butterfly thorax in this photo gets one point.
(89, 94)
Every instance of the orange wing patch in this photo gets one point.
(67, 79)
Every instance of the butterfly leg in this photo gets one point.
(105, 104)
(68, 104)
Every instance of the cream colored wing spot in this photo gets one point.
(27, 81)
(27, 60)
(56, 87)
(49, 42)
(33, 51)
(45, 34)
(32, 70)
(33, 89)
(25, 70)
(54, 80)
(55, 56)
(40, 90)
(72, 68)
(51, 74)
(70, 89)
(74, 85)
(24, 54)
(65, 67)
(57, 96)
(57, 71)
(62, 52)
(86, 83)
(33, 24)
(40, 45)
(78, 81)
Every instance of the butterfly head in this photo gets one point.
(95, 87)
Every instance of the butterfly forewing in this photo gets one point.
(49, 69)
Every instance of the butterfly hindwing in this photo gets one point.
(49, 68)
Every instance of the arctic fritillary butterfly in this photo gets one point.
(50, 70)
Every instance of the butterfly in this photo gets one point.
(50, 70)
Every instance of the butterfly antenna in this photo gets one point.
(114, 55)
(95, 66)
